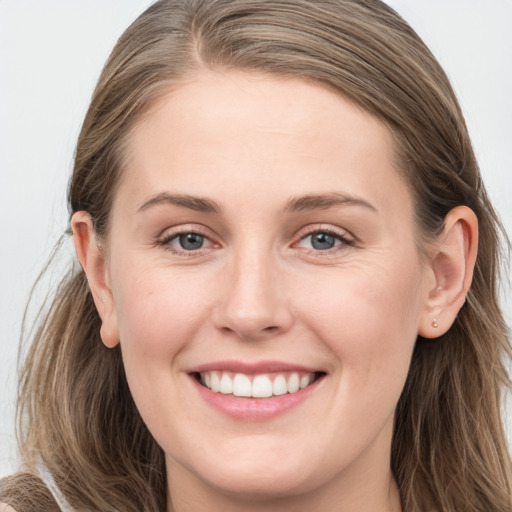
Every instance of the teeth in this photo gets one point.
(226, 385)
(293, 383)
(279, 386)
(215, 382)
(305, 381)
(261, 386)
(241, 384)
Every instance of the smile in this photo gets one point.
(255, 391)
(256, 385)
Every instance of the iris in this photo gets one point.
(191, 241)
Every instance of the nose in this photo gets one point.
(253, 303)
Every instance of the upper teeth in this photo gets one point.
(257, 386)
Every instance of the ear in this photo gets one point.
(451, 261)
(92, 258)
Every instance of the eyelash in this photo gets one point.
(165, 241)
(343, 239)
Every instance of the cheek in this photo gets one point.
(159, 311)
(369, 320)
(160, 314)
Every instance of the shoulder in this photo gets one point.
(25, 492)
(6, 508)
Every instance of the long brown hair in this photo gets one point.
(76, 413)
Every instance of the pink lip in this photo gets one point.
(252, 368)
(252, 409)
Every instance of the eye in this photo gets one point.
(185, 242)
(323, 240)
(190, 241)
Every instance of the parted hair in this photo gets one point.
(75, 411)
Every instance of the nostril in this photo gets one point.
(251, 332)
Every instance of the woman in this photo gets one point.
(286, 297)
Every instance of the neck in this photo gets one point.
(364, 494)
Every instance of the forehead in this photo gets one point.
(258, 134)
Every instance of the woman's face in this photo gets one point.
(262, 243)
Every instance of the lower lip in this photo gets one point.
(252, 409)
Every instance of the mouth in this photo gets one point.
(255, 391)
(260, 385)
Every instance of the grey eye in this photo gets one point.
(191, 241)
(322, 241)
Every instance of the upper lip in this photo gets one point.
(250, 368)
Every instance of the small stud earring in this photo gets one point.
(435, 325)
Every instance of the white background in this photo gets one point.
(51, 53)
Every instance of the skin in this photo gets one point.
(258, 289)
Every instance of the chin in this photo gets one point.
(258, 484)
(261, 474)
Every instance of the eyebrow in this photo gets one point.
(325, 201)
(198, 204)
(294, 204)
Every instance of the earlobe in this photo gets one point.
(92, 258)
(452, 263)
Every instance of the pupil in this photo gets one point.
(191, 241)
(322, 241)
